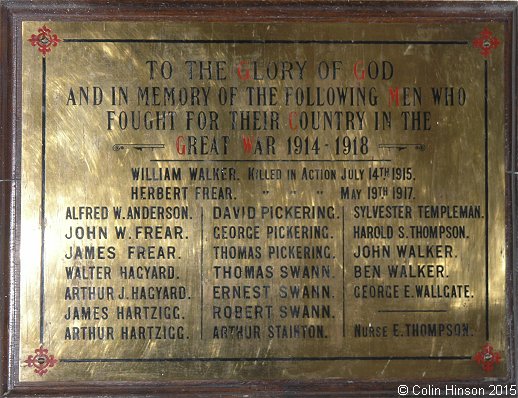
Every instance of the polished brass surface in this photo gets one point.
(391, 206)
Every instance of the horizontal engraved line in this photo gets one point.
(272, 160)
(215, 41)
(271, 359)
(412, 310)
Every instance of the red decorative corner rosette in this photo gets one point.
(42, 361)
(45, 40)
(487, 358)
(486, 42)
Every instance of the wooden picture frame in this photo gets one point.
(437, 13)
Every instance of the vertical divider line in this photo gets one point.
(43, 188)
(486, 157)
(343, 271)
(201, 278)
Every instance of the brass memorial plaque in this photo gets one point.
(254, 201)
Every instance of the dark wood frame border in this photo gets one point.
(13, 12)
